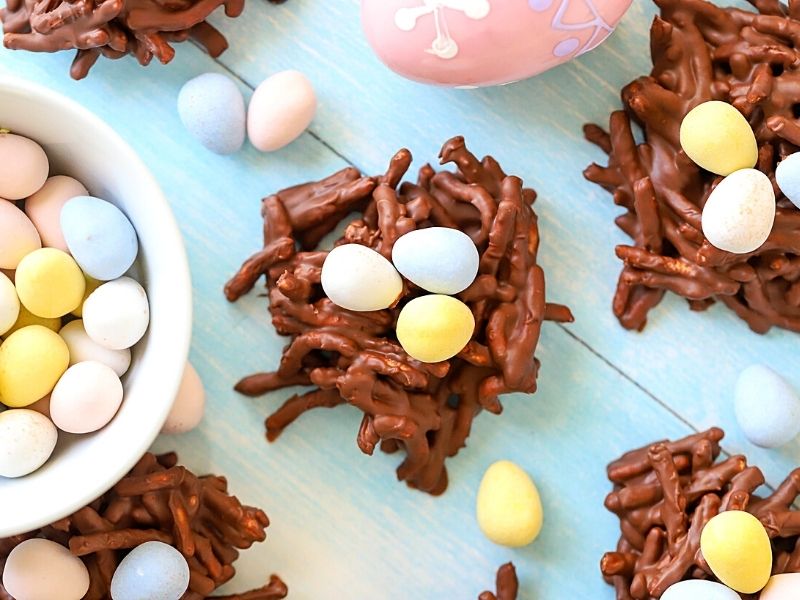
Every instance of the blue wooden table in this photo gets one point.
(342, 528)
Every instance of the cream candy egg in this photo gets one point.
(509, 508)
(189, 406)
(18, 236)
(83, 348)
(358, 278)
(699, 589)
(86, 398)
(116, 314)
(39, 569)
(27, 439)
(23, 166)
(441, 260)
(281, 108)
(739, 214)
(782, 587)
(9, 304)
(44, 208)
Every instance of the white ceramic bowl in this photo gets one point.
(84, 467)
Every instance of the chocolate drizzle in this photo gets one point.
(703, 52)
(354, 358)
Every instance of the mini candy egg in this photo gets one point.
(9, 304)
(438, 259)
(737, 548)
(49, 283)
(509, 509)
(767, 407)
(39, 569)
(100, 237)
(718, 138)
(27, 318)
(91, 285)
(18, 236)
(358, 278)
(700, 589)
(787, 174)
(83, 348)
(739, 213)
(116, 314)
(152, 570)
(44, 208)
(23, 166)
(86, 398)
(282, 107)
(27, 439)
(434, 328)
(782, 587)
(32, 360)
(212, 109)
(189, 406)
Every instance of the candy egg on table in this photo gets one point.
(44, 208)
(116, 314)
(27, 318)
(281, 108)
(509, 509)
(9, 304)
(484, 42)
(782, 587)
(23, 166)
(739, 213)
(441, 260)
(718, 138)
(767, 407)
(32, 360)
(189, 406)
(86, 398)
(99, 236)
(49, 283)
(18, 236)
(38, 569)
(152, 570)
(699, 589)
(434, 328)
(787, 174)
(212, 109)
(358, 278)
(737, 549)
(27, 439)
(82, 348)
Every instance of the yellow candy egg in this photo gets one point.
(434, 328)
(31, 362)
(50, 283)
(737, 548)
(91, 285)
(718, 138)
(27, 318)
(509, 509)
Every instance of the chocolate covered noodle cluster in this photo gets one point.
(665, 493)
(507, 585)
(160, 501)
(703, 52)
(354, 358)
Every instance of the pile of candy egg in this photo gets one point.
(68, 313)
(430, 328)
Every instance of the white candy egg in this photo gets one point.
(767, 407)
(9, 304)
(27, 439)
(23, 166)
(782, 587)
(698, 589)
(739, 213)
(44, 208)
(189, 406)
(281, 108)
(83, 348)
(18, 236)
(358, 278)
(116, 314)
(438, 259)
(39, 569)
(86, 398)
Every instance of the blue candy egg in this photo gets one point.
(767, 407)
(99, 236)
(152, 571)
(212, 110)
(788, 177)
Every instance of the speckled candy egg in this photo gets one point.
(23, 166)
(767, 407)
(437, 259)
(44, 208)
(39, 569)
(699, 589)
(782, 587)
(212, 109)
(358, 278)
(27, 439)
(485, 42)
(152, 570)
(189, 406)
(18, 236)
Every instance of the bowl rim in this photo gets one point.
(182, 291)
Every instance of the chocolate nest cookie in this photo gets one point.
(354, 358)
(703, 52)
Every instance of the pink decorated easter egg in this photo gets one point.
(485, 42)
